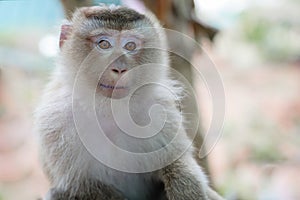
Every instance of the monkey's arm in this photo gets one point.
(95, 191)
(185, 180)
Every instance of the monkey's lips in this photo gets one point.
(113, 91)
(112, 87)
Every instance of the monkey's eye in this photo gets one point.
(104, 44)
(130, 46)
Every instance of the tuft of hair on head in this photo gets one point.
(109, 6)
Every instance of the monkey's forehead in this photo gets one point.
(115, 14)
(120, 18)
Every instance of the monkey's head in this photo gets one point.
(114, 48)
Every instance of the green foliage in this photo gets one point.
(2, 110)
(254, 30)
(275, 39)
(7, 38)
(267, 153)
(266, 149)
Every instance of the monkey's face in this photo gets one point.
(118, 53)
(109, 44)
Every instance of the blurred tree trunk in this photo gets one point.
(179, 15)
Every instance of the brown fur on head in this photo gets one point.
(119, 18)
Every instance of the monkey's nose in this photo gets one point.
(119, 71)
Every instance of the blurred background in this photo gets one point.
(255, 45)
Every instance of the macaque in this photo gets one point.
(114, 68)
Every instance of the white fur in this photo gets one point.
(65, 159)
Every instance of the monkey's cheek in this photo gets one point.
(119, 94)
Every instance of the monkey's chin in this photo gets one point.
(112, 91)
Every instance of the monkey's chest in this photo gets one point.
(133, 132)
(128, 134)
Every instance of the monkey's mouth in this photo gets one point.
(112, 87)
(113, 91)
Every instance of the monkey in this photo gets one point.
(114, 53)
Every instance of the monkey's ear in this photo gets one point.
(65, 32)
